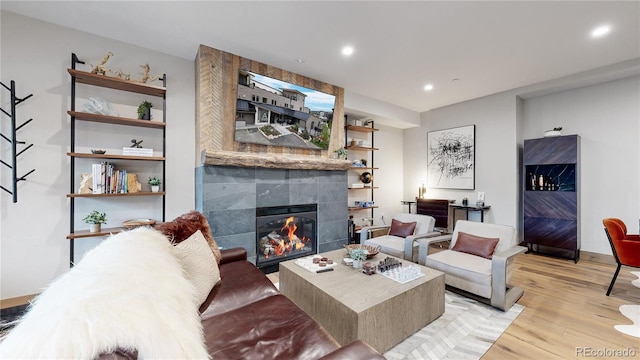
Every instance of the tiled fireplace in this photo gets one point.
(229, 197)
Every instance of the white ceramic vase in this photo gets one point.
(155, 188)
(94, 228)
(357, 264)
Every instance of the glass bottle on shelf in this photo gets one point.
(541, 182)
(532, 181)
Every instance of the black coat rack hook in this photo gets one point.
(14, 142)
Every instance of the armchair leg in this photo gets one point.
(615, 275)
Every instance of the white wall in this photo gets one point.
(607, 118)
(497, 162)
(33, 245)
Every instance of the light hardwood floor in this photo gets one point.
(566, 310)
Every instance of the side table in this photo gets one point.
(467, 208)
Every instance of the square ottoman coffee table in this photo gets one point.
(352, 305)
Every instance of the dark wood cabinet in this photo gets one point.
(551, 201)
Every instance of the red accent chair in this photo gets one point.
(625, 247)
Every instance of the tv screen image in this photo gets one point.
(274, 112)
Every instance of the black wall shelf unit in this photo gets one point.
(116, 84)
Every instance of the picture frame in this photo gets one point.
(451, 158)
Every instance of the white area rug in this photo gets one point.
(632, 312)
(466, 330)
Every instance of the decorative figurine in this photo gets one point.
(121, 74)
(100, 69)
(136, 143)
(145, 74)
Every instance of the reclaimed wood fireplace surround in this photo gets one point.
(233, 179)
(216, 91)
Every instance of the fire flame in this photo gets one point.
(291, 241)
(291, 229)
(287, 241)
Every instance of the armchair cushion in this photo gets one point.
(475, 245)
(389, 244)
(463, 271)
(402, 229)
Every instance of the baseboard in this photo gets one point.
(11, 309)
(16, 301)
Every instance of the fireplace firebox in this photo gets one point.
(284, 233)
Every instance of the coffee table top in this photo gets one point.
(352, 287)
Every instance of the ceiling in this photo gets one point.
(466, 49)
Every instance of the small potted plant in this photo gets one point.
(155, 183)
(342, 153)
(358, 255)
(95, 219)
(144, 110)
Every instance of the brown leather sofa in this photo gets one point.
(246, 317)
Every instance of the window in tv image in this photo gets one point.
(274, 112)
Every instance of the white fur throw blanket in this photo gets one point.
(128, 292)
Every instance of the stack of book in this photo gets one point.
(137, 151)
(108, 180)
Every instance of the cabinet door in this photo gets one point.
(550, 218)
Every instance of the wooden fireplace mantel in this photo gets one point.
(272, 161)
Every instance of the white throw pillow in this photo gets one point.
(199, 264)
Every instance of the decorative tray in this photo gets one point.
(373, 250)
(308, 264)
(134, 223)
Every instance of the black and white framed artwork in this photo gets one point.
(451, 158)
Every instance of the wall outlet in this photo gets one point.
(481, 196)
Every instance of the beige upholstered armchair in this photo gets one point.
(479, 262)
(401, 238)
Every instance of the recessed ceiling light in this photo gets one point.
(347, 50)
(600, 31)
(428, 87)
(300, 60)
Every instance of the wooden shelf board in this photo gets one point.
(114, 156)
(360, 148)
(141, 193)
(362, 208)
(112, 82)
(116, 120)
(103, 232)
(360, 128)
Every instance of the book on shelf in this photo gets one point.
(137, 151)
(96, 174)
(109, 180)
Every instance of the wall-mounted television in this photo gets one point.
(274, 112)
